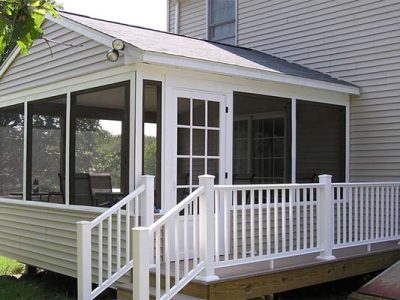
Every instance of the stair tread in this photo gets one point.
(128, 287)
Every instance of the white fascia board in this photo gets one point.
(82, 29)
(132, 53)
(7, 63)
(238, 71)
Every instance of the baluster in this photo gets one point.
(396, 215)
(339, 196)
(185, 242)
(298, 228)
(260, 224)
(252, 223)
(109, 245)
(283, 216)
(387, 215)
(195, 230)
(311, 218)
(158, 265)
(226, 227)
(291, 219)
(127, 233)
(345, 199)
(392, 220)
(367, 213)
(217, 222)
(276, 234)
(305, 227)
(136, 218)
(235, 226)
(244, 241)
(356, 215)
(167, 259)
(350, 189)
(176, 249)
(118, 240)
(100, 253)
(373, 212)
(268, 220)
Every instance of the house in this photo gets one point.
(97, 104)
(356, 41)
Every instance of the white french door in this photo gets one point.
(197, 142)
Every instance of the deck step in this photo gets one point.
(124, 292)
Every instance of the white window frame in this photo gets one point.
(210, 26)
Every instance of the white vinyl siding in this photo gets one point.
(192, 18)
(45, 237)
(46, 65)
(171, 16)
(357, 41)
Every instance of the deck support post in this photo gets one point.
(140, 256)
(207, 228)
(325, 219)
(84, 260)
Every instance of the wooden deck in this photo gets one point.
(259, 279)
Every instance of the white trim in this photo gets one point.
(294, 140)
(74, 84)
(55, 206)
(67, 148)
(93, 34)
(138, 128)
(132, 133)
(25, 158)
(244, 72)
(347, 143)
(7, 63)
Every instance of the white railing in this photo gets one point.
(365, 213)
(262, 222)
(183, 240)
(107, 240)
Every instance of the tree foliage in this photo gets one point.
(20, 23)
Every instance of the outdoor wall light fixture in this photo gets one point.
(113, 54)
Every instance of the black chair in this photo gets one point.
(102, 189)
(81, 194)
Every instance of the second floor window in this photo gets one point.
(222, 21)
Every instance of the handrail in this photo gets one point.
(236, 187)
(349, 184)
(117, 206)
(177, 208)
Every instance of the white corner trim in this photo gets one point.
(7, 63)
(238, 71)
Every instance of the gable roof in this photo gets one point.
(233, 59)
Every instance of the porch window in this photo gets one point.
(320, 141)
(11, 151)
(99, 146)
(46, 149)
(222, 21)
(261, 139)
(152, 134)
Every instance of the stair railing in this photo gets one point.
(107, 240)
(184, 245)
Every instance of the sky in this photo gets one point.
(146, 13)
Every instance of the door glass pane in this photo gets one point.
(183, 141)
(213, 143)
(47, 150)
(11, 151)
(199, 142)
(199, 112)
(213, 114)
(198, 168)
(183, 111)
(183, 171)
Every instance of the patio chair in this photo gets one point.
(102, 192)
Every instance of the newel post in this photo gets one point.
(141, 258)
(84, 260)
(207, 228)
(326, 215)
(146, 204)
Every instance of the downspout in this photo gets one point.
(177, 16)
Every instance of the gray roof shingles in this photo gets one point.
(178, 45)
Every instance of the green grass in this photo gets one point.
(10, 267)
